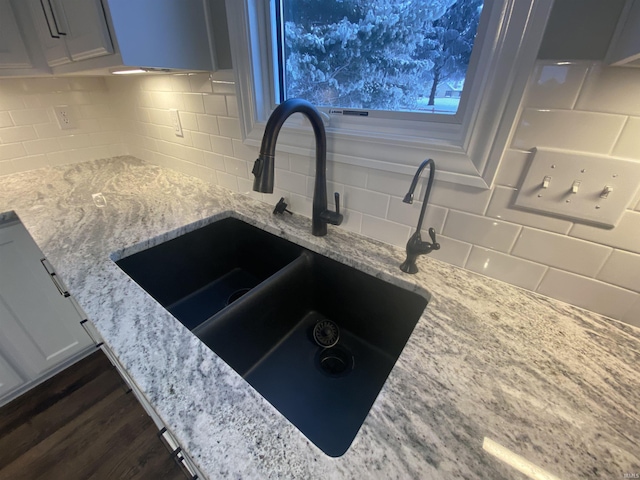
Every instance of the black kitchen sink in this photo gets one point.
(201, 272)
(315, 337)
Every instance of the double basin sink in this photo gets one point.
(255, 299)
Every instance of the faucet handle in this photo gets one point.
(334, 218)
(434, 245)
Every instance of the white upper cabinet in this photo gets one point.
(97, 36)
(625, 45)
(13, 51)
(71, 30)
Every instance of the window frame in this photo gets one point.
(467, 149)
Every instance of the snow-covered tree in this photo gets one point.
(367, 53)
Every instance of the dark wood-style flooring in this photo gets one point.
(82, 424)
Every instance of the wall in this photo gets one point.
(588, 108)
(29, 134)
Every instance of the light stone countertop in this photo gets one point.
(555, 384)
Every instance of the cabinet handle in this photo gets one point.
(54, 278)
(55, 21)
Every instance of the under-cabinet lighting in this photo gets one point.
(128, 72)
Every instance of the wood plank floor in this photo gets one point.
(81, 424)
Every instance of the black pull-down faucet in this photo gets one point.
(415, 245)
(264, 172)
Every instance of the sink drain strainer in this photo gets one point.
(326, 333)
(335, 361)
(236, 295)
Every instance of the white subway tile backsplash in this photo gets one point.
(17, 134)
(227, 180)
(560, 251)
(301, 164)
(632, 316)
(393, 183)
(5, 120)
(201, 141)
(215, 104)
(96, 110)
(229, 127)
(193, 102)
(628, 145)
(352, 220)
(291, 182)
(408, 214)
(365, 201)
(512, 167)
(105, 138)
(70, 142)
(460, 197)
(568, 130)
(622, 269)
(45, 145)
(625, 236)
(180, 83)
(236, 167)
(505, 267)
(7, 167)
(222, 145)
(500, 207)
(451, 251)
(587, 293)
(486, 232)
(159, 117)
(208, 124)
(188, 121)
(555, 86)
(200, 83)
(232, 106)
(30, 116)
(248, 153)
(384, 230)
(13, 150)
(10, 102)
(213, 160)
(345, 174)
(614, 90)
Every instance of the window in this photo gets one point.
(278, 48)
(375, 55)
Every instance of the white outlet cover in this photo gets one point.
(593, 172)
(64, 116)
(175, 121)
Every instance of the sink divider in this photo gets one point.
(210, 331)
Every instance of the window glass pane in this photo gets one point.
(395, 55)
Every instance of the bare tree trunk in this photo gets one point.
(434, 86)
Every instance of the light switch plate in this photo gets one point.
(590, 176)
(175, 121)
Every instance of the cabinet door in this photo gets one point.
(9, 378)
(13, 52)
(85, 26)
(40, 327)
(47, 27)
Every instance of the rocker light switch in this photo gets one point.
(585, 188)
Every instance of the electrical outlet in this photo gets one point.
(64, 117)
(175, 121)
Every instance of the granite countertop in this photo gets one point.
(552, 383)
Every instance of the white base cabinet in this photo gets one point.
(40, 327)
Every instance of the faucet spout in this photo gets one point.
(415, 245)
(264, 166)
